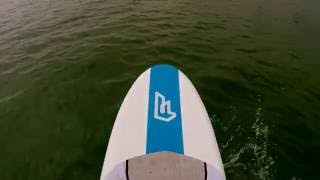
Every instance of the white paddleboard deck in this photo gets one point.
(162, 112)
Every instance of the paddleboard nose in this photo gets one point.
(163, 112)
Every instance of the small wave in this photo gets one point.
(10, 97)
(253, 157)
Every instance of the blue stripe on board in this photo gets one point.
(164, 129)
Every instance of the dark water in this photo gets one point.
(66, 65)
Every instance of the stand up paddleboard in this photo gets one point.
(162, 131)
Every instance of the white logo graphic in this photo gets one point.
(162, 108)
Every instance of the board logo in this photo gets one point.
(162, 108)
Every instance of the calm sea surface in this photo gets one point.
(66, 65)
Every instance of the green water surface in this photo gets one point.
(66, 65)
